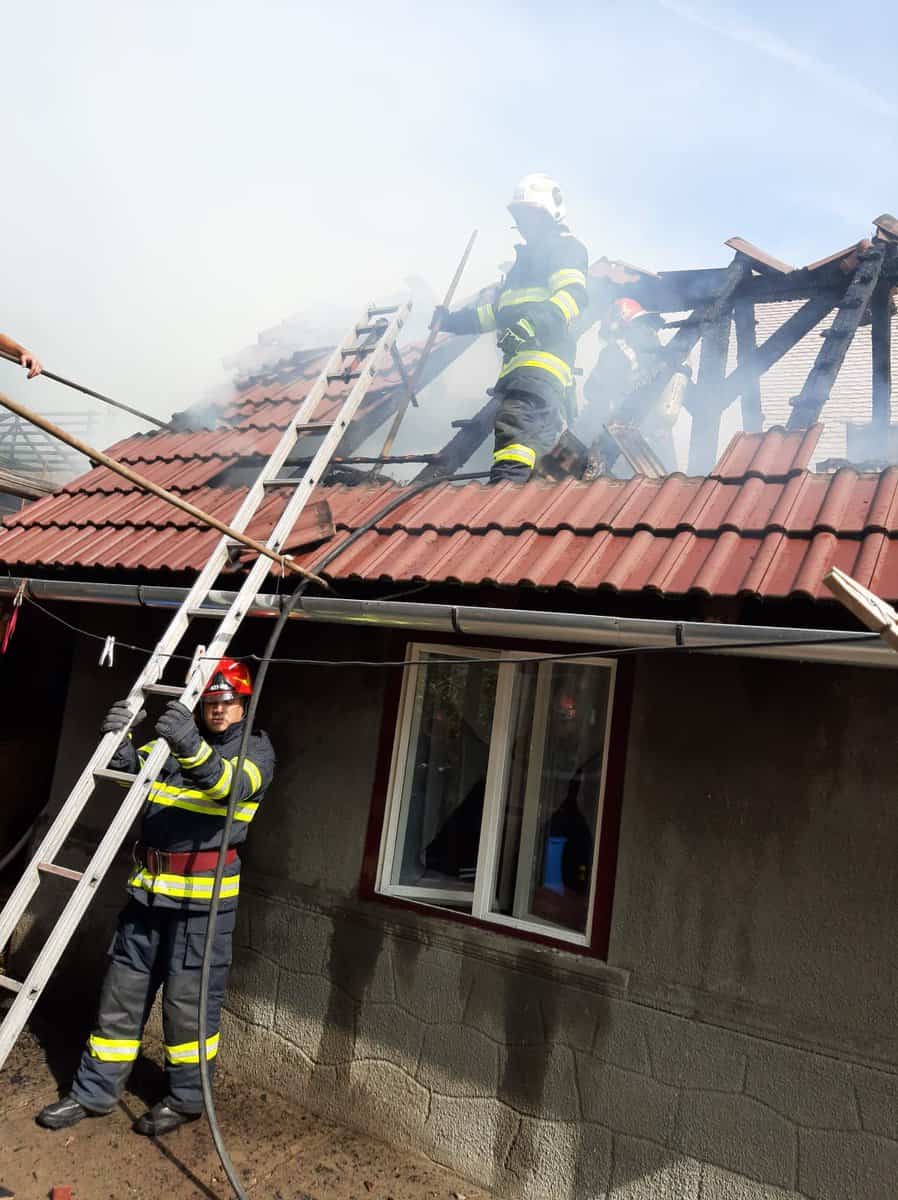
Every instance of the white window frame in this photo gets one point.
(499, 755)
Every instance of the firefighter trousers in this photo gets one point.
(527, 427)
(153, 948)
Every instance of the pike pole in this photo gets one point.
(79, 387)
(412, 386)
(284, 561)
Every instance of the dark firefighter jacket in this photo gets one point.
(547, 286)
(186, 809)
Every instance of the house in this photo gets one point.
(577, 874)
(576, 926)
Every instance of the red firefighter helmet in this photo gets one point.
(230, 681)
(622, 312)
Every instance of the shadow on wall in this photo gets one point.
(533, 1088)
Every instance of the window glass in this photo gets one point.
(553, 794)
(496, 800)
(445, 778)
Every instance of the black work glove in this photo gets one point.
(179, 729)
(516, 337)
(119, 717)
(446, 321)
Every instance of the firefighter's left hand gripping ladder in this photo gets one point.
(369, 344)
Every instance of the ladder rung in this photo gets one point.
(291, 480)
(316, 426)
(116, 776)
(362, 330)
(344, 377)
(11, 985)
(164, 689)
(358, 351)
(65, 872)
(382, 312)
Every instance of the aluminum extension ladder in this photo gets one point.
(352, 361)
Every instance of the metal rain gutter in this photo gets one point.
(755, 641)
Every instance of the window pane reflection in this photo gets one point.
(551, 812)
(445, 778)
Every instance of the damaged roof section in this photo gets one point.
(761, 524)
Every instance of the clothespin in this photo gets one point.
(108, 654)
(20, 594)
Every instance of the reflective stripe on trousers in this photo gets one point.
(153, 948)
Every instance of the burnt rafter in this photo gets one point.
(881, 335)
(809, 403)
(706, 397)
(746, 326)
(777, 346)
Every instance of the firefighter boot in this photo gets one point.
(161, 1118)
(66, 1112)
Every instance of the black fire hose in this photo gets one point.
(234, 796)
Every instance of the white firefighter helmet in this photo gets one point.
(539, 191)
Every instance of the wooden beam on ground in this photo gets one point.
(707, 398)
(746, 358)
(882, 356)
(647, 383)
(470, 437)
(808, 405)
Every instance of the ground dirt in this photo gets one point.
(281, 1152)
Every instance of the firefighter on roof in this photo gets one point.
(160, 934)
(532, 311)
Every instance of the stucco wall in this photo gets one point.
(739, 1044)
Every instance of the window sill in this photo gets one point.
(502, 941)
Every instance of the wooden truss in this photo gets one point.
(856, 282)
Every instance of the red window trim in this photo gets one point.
(614, 789)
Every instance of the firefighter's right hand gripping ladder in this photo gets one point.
(356, 361)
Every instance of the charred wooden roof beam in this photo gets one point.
(809, 403)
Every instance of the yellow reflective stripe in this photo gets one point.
(566, 277)
(486, 317)
(252, 772)
(184, 887)
(189, 1052)
(194, 801)
(113, 1049)
(532, 295)
(222, 785)
(516, 453)
(542, 360)
(197, 760)
(568, 305)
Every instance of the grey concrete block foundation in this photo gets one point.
(610, 1099)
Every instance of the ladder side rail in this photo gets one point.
(67, 922)
(64, 821)
(62, 824)
(118, 828)
(255, 578)
(290, 437)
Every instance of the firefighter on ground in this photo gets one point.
(25, 357)
(160, 934)
(532, 311)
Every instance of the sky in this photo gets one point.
(180, 176)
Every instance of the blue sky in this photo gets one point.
(180, 175)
